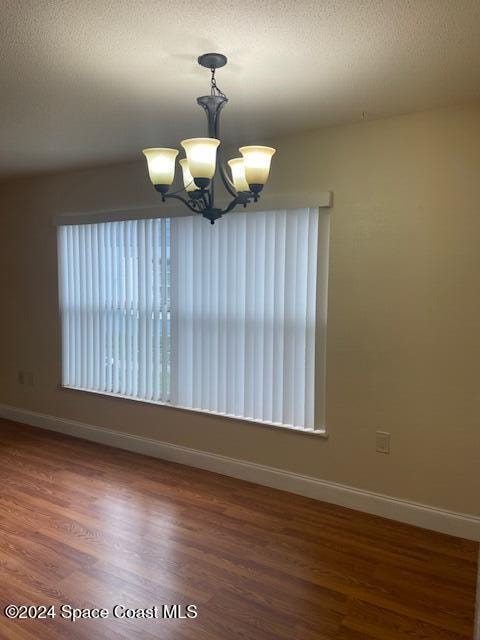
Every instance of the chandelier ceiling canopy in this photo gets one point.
(249, 173)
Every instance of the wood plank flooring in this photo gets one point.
(91, 526)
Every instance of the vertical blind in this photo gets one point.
(243, 310)
(115, 307)
(218, 318)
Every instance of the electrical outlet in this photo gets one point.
(21, 377)
(382, 439)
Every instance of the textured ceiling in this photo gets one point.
(93, 81)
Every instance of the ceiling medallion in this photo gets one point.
(248, 173)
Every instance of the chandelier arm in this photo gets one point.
(174, 193)
(196, 205)
(187, 203)
(243, 198)
(227, 183)
(236, 201)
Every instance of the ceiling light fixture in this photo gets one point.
(249, 173)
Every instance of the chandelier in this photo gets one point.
(248, 173)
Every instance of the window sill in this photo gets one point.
(317, 432)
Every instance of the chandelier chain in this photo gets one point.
(214, 89)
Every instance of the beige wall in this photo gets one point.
(403, 350)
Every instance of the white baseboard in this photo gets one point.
(476, 631)
(449, 522)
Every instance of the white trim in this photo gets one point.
(322, 200)
(476, 631)
(449, 522)
(317, 431)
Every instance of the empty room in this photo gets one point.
(240, 337)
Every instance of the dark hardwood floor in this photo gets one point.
(91, 526)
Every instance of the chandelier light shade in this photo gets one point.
(201, 156)
(188, 181)
(200, 166)
(237, 167)
(161, 165)
(257, 164)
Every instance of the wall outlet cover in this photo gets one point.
(382, 440)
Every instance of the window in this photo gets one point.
(216, 318)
